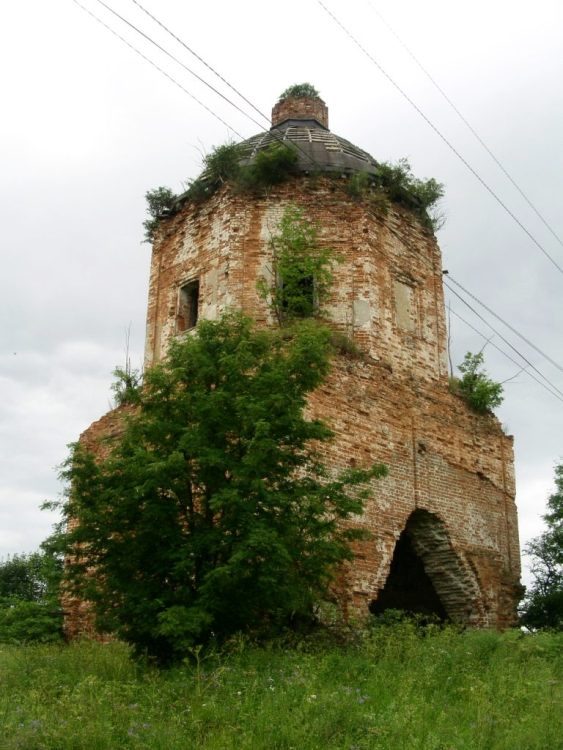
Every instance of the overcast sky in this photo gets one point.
(88, 127)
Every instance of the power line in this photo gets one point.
(494, 314)
(179, 62)
(154, 65)
(198, 57)
(465, 121)
(274, 135)
(313, 160)
(503, 338)
(441, 135)
(492, 343)
(245, 99)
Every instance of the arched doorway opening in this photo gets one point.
(426, 576)
(408, 587)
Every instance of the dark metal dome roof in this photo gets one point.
(318, 149)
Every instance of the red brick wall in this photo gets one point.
(300, 108)
(392, 406)
(442, 459)
(226, 243)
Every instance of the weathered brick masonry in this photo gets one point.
(449, 495)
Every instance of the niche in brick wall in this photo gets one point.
(405, 306)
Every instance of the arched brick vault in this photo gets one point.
(425, 536)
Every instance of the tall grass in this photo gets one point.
(397, 690)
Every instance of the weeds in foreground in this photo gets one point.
(399, 687)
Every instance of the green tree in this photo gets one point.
(475, 386)
(213, 512)
(23, 577)
(29, 607)
(543, 606)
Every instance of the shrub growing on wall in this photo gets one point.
(270, 166)
(159, 203)
(277, 163)
(301, 270)
(481, 392)
(396, 183)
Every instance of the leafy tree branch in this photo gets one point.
(214, 512)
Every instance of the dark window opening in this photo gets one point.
(408, 586)
(188, 306)
(298, 297)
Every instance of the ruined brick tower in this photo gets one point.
(443, 522)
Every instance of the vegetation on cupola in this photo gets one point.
(300, 143)
(299, 91)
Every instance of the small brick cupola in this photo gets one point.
(300, 119)
(297, 107)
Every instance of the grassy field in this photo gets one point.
(396, 690)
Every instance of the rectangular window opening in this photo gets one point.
(188, 306)
(299, 298)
